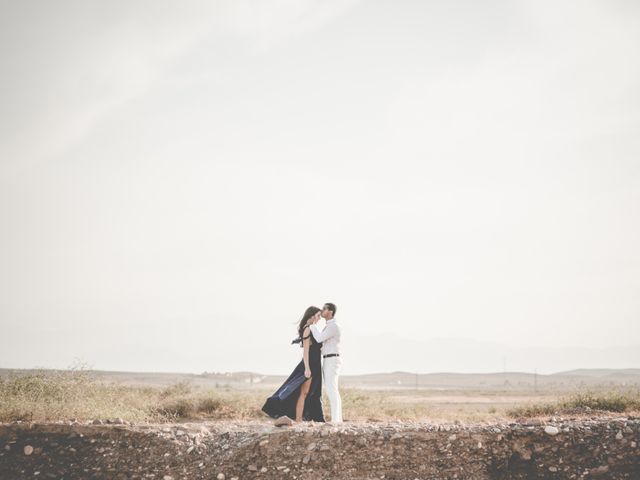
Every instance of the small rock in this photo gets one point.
(118, 421)
(553, 469)
(551, 430)
(179, 433)
(306, 459)
(525, 453)
(263, 469)
(190, 449)
(619, 436)
(599, 470)
(167, 477)
(264, 442)
(396, 436)
(252, 468)
(286, 470)
(311, 447)
(220, 476)
(28, 450)
(633, 445)
(97, 421)
(7, 448)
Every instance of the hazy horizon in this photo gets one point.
(178, 182)
(87, 368)
(434, 356)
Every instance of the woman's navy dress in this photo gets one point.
(283, 402)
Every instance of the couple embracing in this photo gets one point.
(300, 396)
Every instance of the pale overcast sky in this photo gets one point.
(180, 180)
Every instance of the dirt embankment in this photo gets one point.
(599, 447)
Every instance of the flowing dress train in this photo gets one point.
(283, 401)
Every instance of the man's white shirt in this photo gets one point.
(329, 336)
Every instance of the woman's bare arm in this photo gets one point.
(306, 343)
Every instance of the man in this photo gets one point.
(331, 361)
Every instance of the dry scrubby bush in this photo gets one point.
(612, 401)
(47, 395)
(55, 395)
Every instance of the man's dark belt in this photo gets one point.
(331, 355)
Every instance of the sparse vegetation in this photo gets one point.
(76, 394)
(616, 401)
(611, 401)
(56, 395)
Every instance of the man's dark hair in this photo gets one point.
(331, 307)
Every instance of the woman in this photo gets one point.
(299, 396)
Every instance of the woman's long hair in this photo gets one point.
(308, 313)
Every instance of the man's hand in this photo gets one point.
(307, 373)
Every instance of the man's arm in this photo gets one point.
(328, 332)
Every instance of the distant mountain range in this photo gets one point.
(603, 372)
(390, 352)
(517, 380)
(561, 381)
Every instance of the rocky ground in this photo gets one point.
(602, 446)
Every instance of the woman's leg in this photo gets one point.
(304, 391)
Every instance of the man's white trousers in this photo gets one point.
(330, 372)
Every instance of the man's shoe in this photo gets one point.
(283, 421)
